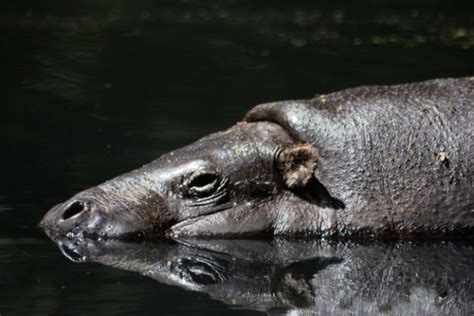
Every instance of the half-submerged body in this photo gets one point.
(381, 161)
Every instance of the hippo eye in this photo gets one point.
(203, 183)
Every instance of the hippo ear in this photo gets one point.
(297, 164)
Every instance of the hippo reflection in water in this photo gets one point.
(382, 161)
(402, 278)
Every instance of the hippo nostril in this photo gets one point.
(73, 209)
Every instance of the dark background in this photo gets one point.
(92, 89)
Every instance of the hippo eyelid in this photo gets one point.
(217, 198)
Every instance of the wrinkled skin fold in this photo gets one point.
(284, 276)
(369, 162)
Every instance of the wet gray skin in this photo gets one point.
(282, 276)
(369, 162)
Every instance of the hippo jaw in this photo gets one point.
(239, 182)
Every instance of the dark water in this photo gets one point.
(91, 89)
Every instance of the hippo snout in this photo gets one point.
(114, 210)
(77, 216)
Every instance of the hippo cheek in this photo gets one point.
(240, 221)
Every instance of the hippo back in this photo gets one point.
(399, 157)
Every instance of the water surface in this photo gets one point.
(91, 89)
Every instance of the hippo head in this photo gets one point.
(250, 179)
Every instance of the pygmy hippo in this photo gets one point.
(369, 162)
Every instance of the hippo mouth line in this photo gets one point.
(169, 231)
